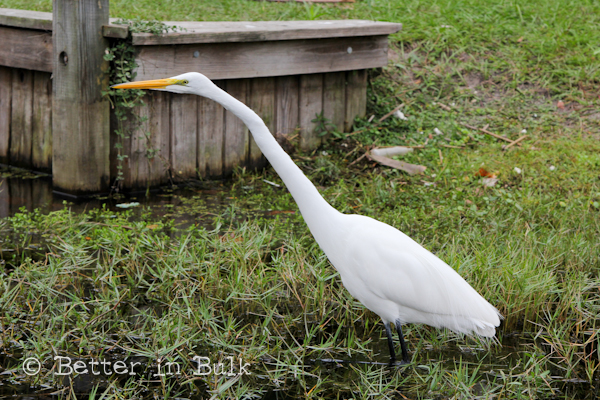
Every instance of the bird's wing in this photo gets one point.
(394, 267)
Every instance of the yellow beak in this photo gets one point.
(153, 84)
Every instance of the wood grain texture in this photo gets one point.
(287, 105)
(211, 132)
(26, 19)
(43, 21)
(25, 48)
(5, 112)
(262, 101)
(311, 104)
(356, 97)
(237, 140)
(219, 32)
(184, 123)
(262, 59)
(80, 114)
(116, 31)
(146, 128)
(41, 149)
(334, 98)
(139, 168)
(260, 31)
(21, 118)
(159, 123)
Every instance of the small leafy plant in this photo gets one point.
(121, 55)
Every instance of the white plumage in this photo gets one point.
(388, 272)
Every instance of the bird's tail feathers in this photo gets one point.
(465, 325)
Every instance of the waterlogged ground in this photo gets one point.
(227, 271)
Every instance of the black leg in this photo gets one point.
(402, 344)
(388, 332)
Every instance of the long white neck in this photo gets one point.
(317, 213)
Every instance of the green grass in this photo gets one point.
(228, 279)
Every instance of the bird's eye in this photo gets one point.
(185, 82)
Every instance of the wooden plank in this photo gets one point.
(356, 97)
(137, 162)
(237, 140)
(334, 98)
(43, 21)
(21, 118)
(80, 113)
(311, 104)
(26, 19)
(115, 31)
(262, 59)
(5, 112)
(41, 151)
(184, 123)
(25, 48)
(260, 31)
(211, 132)
(218, 32)
(147, 129)
(287, 105)
(262, 101)
(159, 122)
(211, 32)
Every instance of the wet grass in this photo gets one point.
(235, 273)
(131, 286)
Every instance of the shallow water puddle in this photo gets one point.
(482, 367)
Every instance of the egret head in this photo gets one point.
(190, 82)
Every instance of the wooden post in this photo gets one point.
(80, 115)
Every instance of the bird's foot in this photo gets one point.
(399, 363)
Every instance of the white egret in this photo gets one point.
(388, 272)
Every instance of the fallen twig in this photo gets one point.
(445, 107)
(271, 183)
(488, 132)
(364, 129)
(358, 159)
(451, 147)
(386, 116)
(508, 146)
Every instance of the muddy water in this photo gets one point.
(192, 203)
(23, 189)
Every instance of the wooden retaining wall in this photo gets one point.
(26, 118)
(288, 72)
(194, 135)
